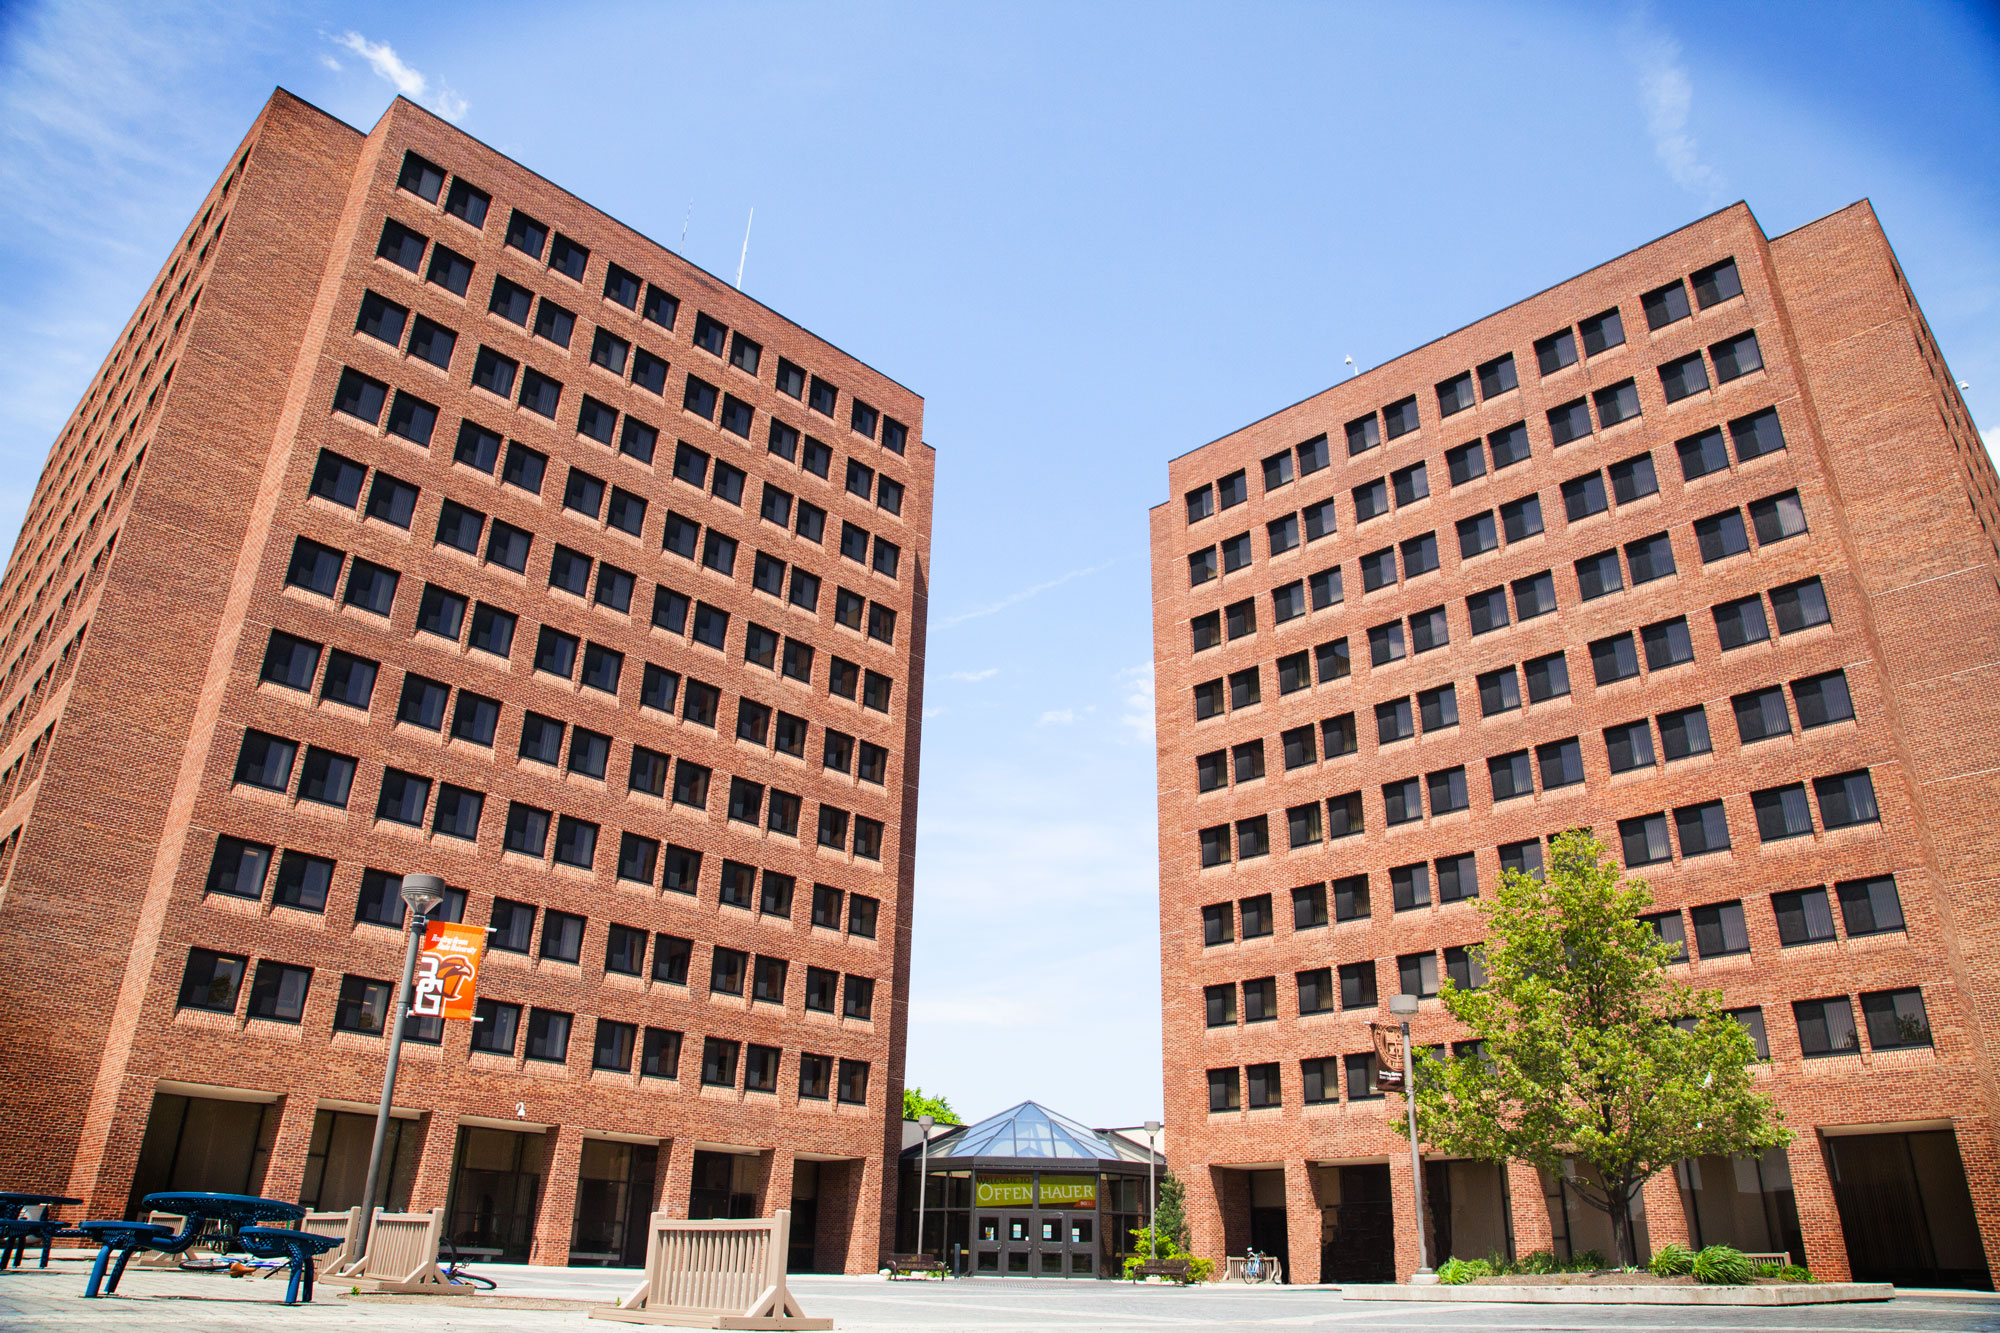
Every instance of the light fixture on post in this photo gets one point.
(1403, 1006)
(1152, 1199)
(924, 1123)
(421, 893)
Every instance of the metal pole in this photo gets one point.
(924, 1124)
(401, 1002)
(1416, 1162)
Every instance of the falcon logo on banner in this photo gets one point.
(447, 970)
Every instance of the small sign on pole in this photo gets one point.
(447, 976)
(1388, 1056)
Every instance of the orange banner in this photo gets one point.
(447, 970)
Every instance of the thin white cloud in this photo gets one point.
(398, 73)
(974, 677)
(930, 713)
(1015, 599)
(1666, 95)
(1138, 715)
(1991, 435)
(1057, 717)
(330, 63)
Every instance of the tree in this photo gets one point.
(937, 1108)
(1170, 1212)
(1586, 1048)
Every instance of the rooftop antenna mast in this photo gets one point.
(745, 256)
(1352, 369)
(684, 226)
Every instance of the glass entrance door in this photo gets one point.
(1030, 1243)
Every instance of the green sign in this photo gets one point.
(1006, 1192)
(1018, 1191)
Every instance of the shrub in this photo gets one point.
(1671, 1260)
(1778, 1272)
(1590, 1261)
(1721, 1266)
(1457, 1272)
(1539, 1262)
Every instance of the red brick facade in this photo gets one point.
(224, 428)
(1898, 503)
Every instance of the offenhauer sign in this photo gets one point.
(448, 970)
(1063, 1191)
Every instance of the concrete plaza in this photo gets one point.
(546, 1298)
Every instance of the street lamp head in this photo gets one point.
(422, 892)
(927, 1121)
(1404, 1005)
(1152, 1126)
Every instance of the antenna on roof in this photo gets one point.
(1352, 369)
(684, 226)
(744, 257)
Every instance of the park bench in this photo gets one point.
(19, 1234)
(1174, 1270)
(715, 1274)
(155, 1258)
(1768, 1257)
(402, 1255)
(915, 1265)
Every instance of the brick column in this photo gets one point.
(1403, 1209)
(1530, 1210)
(1302, 1222)
(1976, 1150)
(676, 1177)
(434, 1140)
(104, 1182)
(1203, 1210)
(872, 1235)
(1666, 1212)
(777, 1181)
(1819, 1219)
(555, 1215)
(285, 1169)
(839, 1195)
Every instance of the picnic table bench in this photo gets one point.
(25, 1219)
(227, 1223)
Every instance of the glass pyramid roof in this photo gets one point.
(1031, 1130)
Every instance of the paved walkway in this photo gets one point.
(535, 1299)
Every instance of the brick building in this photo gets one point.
(425, 519)
(1698, 550)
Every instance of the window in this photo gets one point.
(290, 661)
(1721, 535)
(526, 235)
(1447, 790)
(1300, 750)
(1701, 828)
(1465, 462)
(1350, 898)
(265, 761)
(1822, 699)
(527, 830)
(1800, 605)
(1232, 490)
(1569, 422)
(1487, 611)
(1400, 418)
(1337, 736)
(1343, 815)
(1741, 622)
(1200, 503)
(1264, 1085)
(449, 270)
(1613, 659)
(1870, 906)
(1629, 746)
(1777, 517)
(1312, 456)
(1716, 283)
(1428, 630)
(1499, 692)
(1371, 500)
(1615, 403)
(1438, 708)
(1665, 305)
(400, 246)
(239, 868)
(1683, 377)
(1804, 916)
(1420, 555)
(1597, 575)
(1457, 878)
(1757, 435)
(1402, 802)
(1294, 672)
(1649, 558)
(1522, 857)
(1224, 1090)
(1719, 930)
(1684, 733)
(1846, 799)
(1522, 518)
(1555, 352)
(279, 992)
(403, 797)
(1277, 471)
(1643, 841)
(1510, 775)
(1895, 1018)
(1781, 812)
(349, 679)
(1393, 721)
(1455, 394)
(496, 1027)
(1331, 660)
(1253, 839)
(1363, 434)
(670, 959)
(1583, 496)
(381, 319)
(568, 258)
(1667, 643)
(1218, 924)
(1378, 569)
(1477, 535)
(1560, 762)
(1411, 484)
(1736, 357)
(359, 396)
(363, 1006)
(1321, 1079)
(548, 1035)
(1357, 985)
(1548, 677)
(1385, 643)
(553, 324)
(1702, 454)
(1417, 974)
(1667, 926)
(1760, 714)
(1826, 1027)
(1283, 533)
(1509, 445)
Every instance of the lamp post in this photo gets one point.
(924, 1123)
(1403, 1006)
(422, 893)
(1152, 1199)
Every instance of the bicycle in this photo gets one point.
(456, 1275)
(1255, 1267)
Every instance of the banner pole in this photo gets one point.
(421, 892)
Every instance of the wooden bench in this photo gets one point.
(402, 1255)
(915, 1265)
(344, 1226)
(1174, 1270)
(1768, 1257)
(153, 1259)
(717, 1274)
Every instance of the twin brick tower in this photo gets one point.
(426, 520)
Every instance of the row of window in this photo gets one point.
(316, 568)
(242, 867)
(564, 256)
(213, 982)
(267, 762)
(1600, 333)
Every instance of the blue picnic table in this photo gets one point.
(226, 1223)
(18, 1232)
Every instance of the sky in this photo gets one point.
(1093, 237)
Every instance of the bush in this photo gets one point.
(1671, 1260)
(1721, 1266)
(1538, 1263)
(1590, 1261)
(1457, 1272)
(1778, 1272)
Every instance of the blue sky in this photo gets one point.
(1094, 237)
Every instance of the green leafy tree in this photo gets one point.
(1588, 1049)
(1170, 1211)
(915, 1103)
